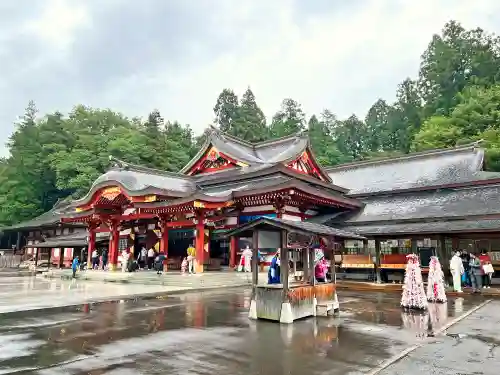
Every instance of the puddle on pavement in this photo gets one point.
(210, 332)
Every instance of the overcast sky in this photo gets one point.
(177, 55)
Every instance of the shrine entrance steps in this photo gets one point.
(206, 280)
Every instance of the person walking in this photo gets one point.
(151, 258)
(191, 257)
(476, 273)
(457, 269)
(487, 268)
(95, 259)
(75, 265)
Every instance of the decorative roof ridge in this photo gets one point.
(255, 145)
(123, 165)
(414, 155)
(297, 136)
(214, 131)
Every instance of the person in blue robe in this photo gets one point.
(273, 274)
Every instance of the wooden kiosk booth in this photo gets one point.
(296, 294)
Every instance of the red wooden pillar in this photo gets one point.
(164, 240)
(233, 244)
(90, 247)
(200, 241)
(114, 239)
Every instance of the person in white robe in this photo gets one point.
(457, 270)
(247, 255)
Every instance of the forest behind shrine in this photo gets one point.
(455, 99)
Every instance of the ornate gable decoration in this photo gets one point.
(213, 161)
(305, 164)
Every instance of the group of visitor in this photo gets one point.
(320, 270)
(146, 259)
(471, 270)
(189, 261)
(99, 261)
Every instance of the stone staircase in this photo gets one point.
(207, 280)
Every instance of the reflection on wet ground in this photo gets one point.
(210, 333)
(29, 293)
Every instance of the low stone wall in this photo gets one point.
(9, 260)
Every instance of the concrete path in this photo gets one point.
(472, 346)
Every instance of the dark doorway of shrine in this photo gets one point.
(219, 249)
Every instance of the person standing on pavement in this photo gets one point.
(75, 265)
(104, 259)
(476, 273)
(95, 259)
(125, 258)
(191, 256)
(487, 268)
(466, 276)
(143, 256)
(457, 269)
(159, 263)
(151, 258)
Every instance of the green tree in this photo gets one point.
(290, 119)
(322, 142)
(351, 137)
(477, 112)
(436, 132)
(226, 111)
(250, 123)
(377, 126)
(23, 191)
(453, 60)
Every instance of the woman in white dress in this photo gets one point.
(247, 255)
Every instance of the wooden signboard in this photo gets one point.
(296, 240)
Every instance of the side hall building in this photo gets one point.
(429, 202)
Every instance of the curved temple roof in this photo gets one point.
(137, 180)
(262, 153)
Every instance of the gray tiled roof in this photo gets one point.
(49, 218)
(412, 171)
(425, 227)
(320, 229)
(304, 226)
(138, 181)
(77, 239)
(475, 200)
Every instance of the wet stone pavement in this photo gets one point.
(472, 346)
(209, 333)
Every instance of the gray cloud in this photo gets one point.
(176, 55)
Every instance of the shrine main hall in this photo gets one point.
(440, 199)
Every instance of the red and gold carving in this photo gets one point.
(111, 193)
(213, 154)
(304, 157)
